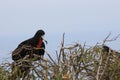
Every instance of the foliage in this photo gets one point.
(75, 62)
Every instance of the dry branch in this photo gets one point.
(75, 62)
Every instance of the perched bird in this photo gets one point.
(105, 48)
(30, 47)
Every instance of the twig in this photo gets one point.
(61, 50)
(109, 40)
(106, 38)
(50, 57)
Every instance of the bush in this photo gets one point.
(76, 62)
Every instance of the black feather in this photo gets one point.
(27, 47)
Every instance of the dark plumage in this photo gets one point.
(106, 48)
(30, 47)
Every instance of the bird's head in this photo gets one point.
(40, 34)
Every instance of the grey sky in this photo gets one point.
(82, 20)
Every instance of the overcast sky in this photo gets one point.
(87, 21)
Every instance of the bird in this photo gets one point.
(30, 47)
(105, 48)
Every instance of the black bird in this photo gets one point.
(105, 48)
(30, 47)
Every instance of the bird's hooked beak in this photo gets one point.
(43, 37)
